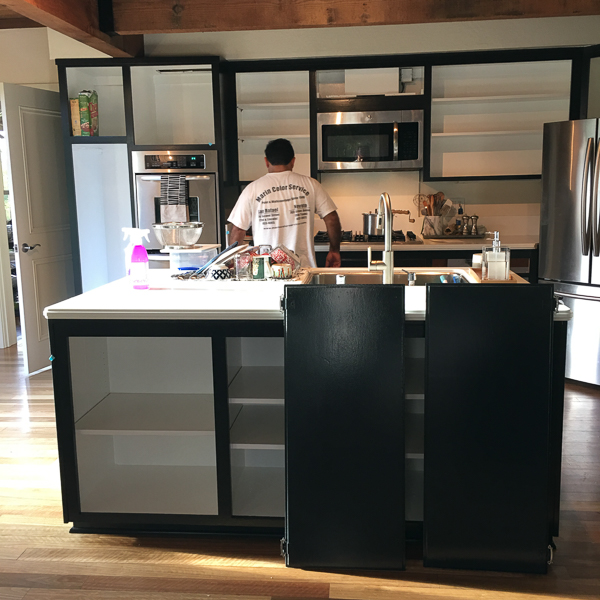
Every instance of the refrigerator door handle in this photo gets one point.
(585, 231)
(594, 225)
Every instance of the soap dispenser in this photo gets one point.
(495, 261)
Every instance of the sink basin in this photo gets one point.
(424, 276)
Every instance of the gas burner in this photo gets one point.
(322, 237)
(398, 237)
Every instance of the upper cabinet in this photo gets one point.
(272, 105)
(108, 82)
(487, 119)
(390, 81)
(173, 104)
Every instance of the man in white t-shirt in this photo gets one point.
(281, 207)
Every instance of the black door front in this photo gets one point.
(344, 426)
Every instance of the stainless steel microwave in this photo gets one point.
(375, 140)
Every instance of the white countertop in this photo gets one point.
(171, 299)
(514, 242)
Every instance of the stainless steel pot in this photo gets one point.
(370, 224)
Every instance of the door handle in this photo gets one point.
(27, 247)
(585, 231)
(594, 208)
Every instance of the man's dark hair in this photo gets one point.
(279, 152)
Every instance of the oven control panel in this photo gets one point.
(175, 161)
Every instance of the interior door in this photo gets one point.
(344, 426)
(567, 182)
(37, 187)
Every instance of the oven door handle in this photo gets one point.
(187, 177)
(395, 141)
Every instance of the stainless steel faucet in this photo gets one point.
(387, 264)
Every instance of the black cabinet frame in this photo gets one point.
(61, 330)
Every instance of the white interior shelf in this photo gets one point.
(508, 98)
(258, 491)
(259, 427)
(155, 489)
(456, 134)
(257, 385)
(259, 105)
(271, 137)
(150, 414)
(487, 119)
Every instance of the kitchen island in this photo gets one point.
(170, 407)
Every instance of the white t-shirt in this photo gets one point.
(281, 208)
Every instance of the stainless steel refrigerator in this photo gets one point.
(570, 237)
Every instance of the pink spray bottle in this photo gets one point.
(136, 257)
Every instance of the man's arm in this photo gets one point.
(236, 234)
(334, 230)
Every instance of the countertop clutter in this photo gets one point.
(171, 299)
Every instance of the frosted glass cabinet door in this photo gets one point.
(173, 105)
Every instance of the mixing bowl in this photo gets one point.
(178, 234)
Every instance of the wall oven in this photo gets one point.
(370, 140)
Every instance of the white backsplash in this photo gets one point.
(356, 193)
(511, 207)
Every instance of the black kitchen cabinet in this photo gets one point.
(344, 423)
(487, 427)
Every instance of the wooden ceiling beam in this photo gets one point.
(171, 16)
(17, 23)
(77, 19)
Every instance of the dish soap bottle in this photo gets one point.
(136, 257)
(495, 261)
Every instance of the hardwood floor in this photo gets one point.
(41, 560)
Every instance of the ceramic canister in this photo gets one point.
(281, 271)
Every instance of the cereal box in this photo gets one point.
(75, 123)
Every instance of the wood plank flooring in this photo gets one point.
(41, 560)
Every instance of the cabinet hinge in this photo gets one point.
(285, 304)
(283, 547)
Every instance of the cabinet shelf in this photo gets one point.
(153, 489)
(258, 428)
(466, 134)
(257, 385)
(274, 136)
(150, 414)
(99, 139)
(507, 98)
(262, 105)
(258, 491)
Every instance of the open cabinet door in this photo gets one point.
(38, 192)
(344, 423)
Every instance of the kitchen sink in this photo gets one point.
(353, 276)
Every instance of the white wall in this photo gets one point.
(383, 39)
(27, 56)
